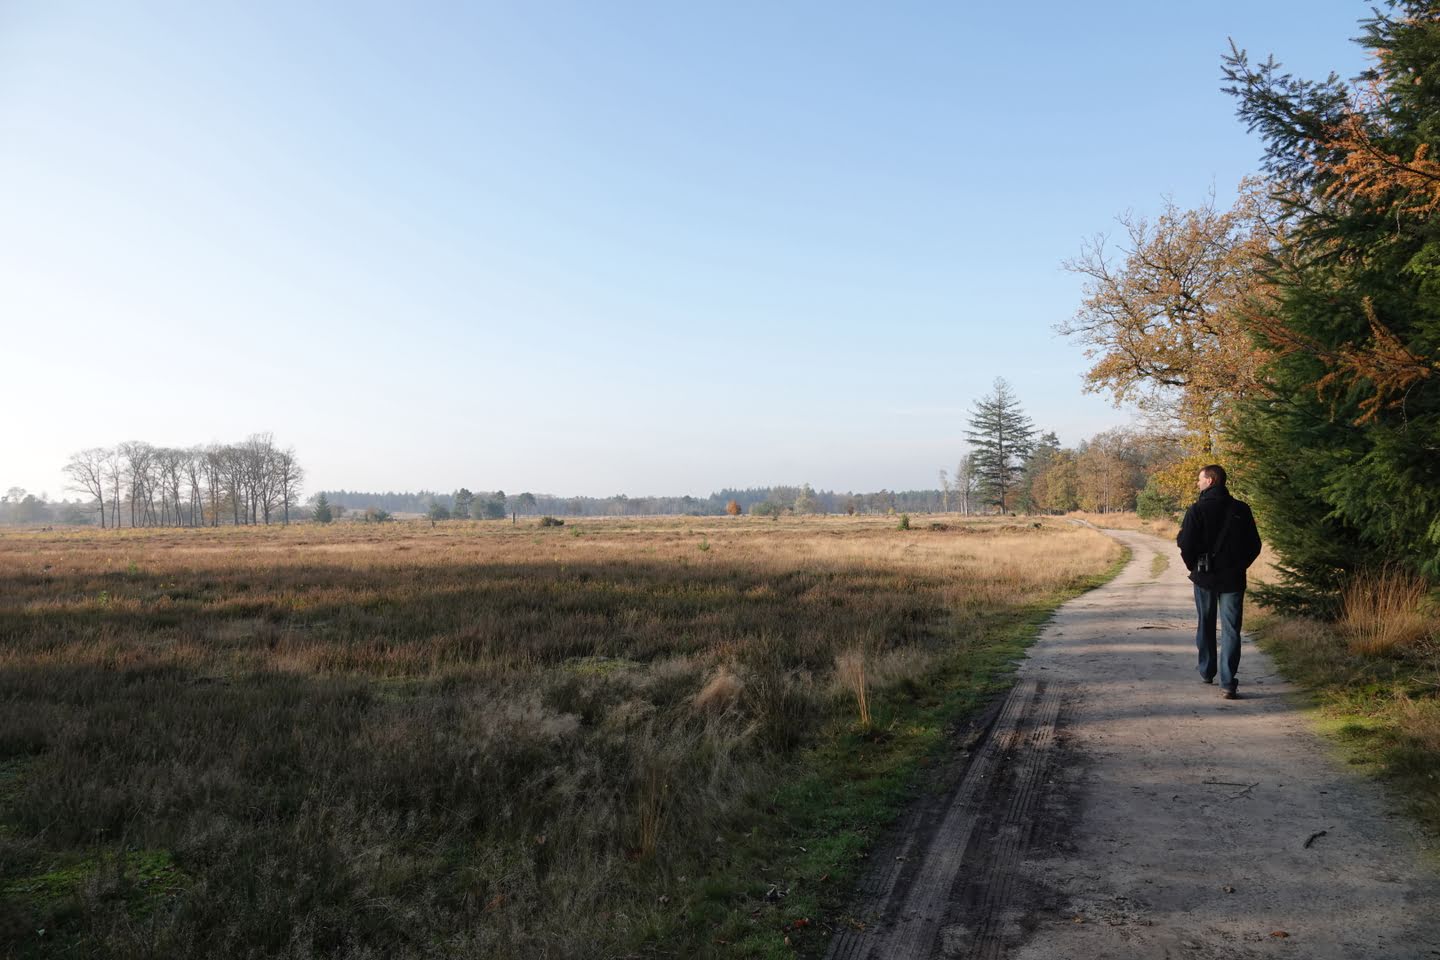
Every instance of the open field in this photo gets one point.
(476, 739)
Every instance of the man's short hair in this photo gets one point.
(1215, 472)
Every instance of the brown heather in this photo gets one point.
(472, 740)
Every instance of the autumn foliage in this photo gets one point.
(1163, 316)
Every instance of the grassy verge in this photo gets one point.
(1383, 712)
(787, 884)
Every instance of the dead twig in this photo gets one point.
(1237, 795)
(1315, 836)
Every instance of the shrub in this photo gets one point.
(549, 521)
(904, 521)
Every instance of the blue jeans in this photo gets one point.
(1228, 608)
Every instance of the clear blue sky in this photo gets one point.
(582, 247)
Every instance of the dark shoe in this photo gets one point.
(1229, 695)
(1207, 679)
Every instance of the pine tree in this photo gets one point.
(1000, 436)
(1342, 452)
(322, 513)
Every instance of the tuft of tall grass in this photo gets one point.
(720, 692)
(654, 792)
(1382, 611)
(850, 667)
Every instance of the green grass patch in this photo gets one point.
(1158, 565)
(137, 874)
(1382, 713)
(40, 913)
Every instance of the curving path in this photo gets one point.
(1118, 808)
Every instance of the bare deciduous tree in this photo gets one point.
(189, 486)
(87, 471)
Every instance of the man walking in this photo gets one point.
(1218, 542)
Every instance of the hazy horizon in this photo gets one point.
(586, 250)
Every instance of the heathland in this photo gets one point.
(403, 740)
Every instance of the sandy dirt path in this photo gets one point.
(1116, 807)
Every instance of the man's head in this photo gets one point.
(1212, 475)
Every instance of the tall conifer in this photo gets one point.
(1001, 436)
(1343, 449)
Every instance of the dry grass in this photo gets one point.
(1264, 570)
(1166, 529)
(404, 741)
(720, 693)
(1382, 611)
(850, 667)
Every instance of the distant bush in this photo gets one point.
(904, 521)
(548, 521)
(1154, 503)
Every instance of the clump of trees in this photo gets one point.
(1343, 440)
(138, 484)
(1296, 335)
(21, 508)
(1013, 467)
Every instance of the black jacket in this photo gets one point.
(1201, 528)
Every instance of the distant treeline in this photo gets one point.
(757, 500)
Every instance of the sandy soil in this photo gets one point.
(1116, 807)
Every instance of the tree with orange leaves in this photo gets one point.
(1163, 319)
